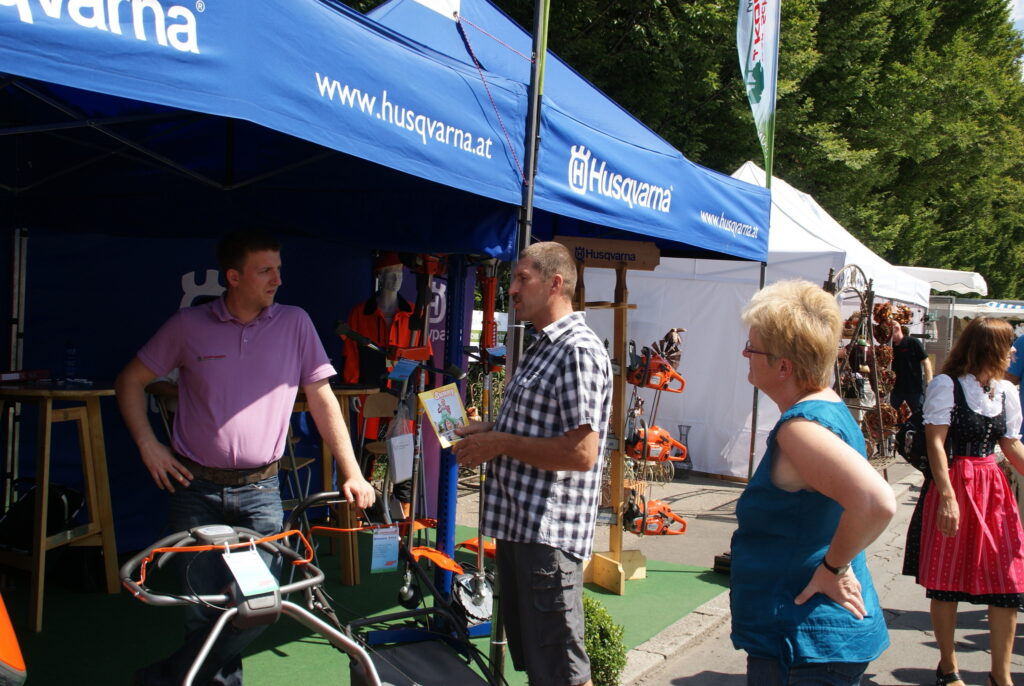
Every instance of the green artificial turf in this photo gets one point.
(91, 637)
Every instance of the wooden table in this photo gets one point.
(344, 514)
(99, 530)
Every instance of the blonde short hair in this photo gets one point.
(801, 322)
(550, 258)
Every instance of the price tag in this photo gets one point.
(385, 550)
(250, 572)
(402, 369)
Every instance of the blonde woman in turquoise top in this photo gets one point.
(804, 607)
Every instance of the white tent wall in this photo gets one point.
(717, 396)
(706, 297)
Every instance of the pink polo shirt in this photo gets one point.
(238, 381)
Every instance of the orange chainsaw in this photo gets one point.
(653, 443)
(655, 519)
(651, 370)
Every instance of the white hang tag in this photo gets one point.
(400, 455)
(250, 572)
(385, 550)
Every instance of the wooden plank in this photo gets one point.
(38, 552)
(610, 253)
(103, 512)
(607, 572)
(634, 565)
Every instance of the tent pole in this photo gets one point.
(514, 339)
(753, 411)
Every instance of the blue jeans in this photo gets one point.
(253, 506)
(762, 671)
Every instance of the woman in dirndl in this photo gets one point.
(971, 543)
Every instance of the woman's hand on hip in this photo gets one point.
(843, 589)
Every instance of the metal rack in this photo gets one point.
(851, 283)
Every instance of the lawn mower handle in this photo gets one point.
(312, 575)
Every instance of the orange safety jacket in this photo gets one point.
(365, 365)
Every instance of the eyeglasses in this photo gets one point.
(747, 350)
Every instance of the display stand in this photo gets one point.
(348, 549)
(866, 394)
(612, 568)
(99, 529)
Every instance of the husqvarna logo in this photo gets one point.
(581, 253)
(579, 162)
(588, 174)
(173, 27)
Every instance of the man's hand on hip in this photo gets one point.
(165, 470)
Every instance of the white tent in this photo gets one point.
(950, 279)
(1004, 309)
(706, 296)
(889, 281)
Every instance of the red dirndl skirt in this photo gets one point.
(986, 556)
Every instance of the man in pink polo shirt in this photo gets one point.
(242, 359)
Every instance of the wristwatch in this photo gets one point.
(838, 571)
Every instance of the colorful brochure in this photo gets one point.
(445, 412)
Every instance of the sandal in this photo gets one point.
(952, 677)
(992, 682)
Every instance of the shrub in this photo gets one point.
(603, 640)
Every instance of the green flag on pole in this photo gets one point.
(757, 41)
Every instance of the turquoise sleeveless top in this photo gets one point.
(780, 541)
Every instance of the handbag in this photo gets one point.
(910, 437)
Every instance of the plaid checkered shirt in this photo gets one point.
(562, 383)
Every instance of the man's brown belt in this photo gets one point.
(229, 477)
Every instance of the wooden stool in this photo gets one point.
(99, 530)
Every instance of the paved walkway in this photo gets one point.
(697, 651)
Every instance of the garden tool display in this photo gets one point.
(473, 593)
(653, 518)
(652, 443)
(651, 370)
(473, 596)
(658, 520)
(633, 510)
(652, 447)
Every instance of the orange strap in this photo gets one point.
(243, 544)
(437, 557)
(425, 523)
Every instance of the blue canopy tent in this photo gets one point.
(120, 111)
(597, 163)
(169, 123)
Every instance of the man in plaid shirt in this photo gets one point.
(546, 451)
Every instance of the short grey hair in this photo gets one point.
(550, 258)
